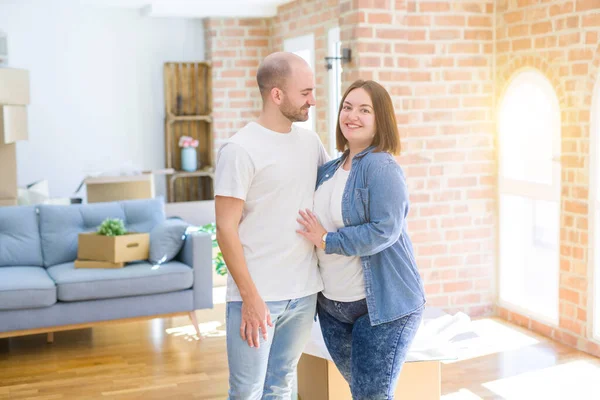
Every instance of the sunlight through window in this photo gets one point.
(462, 394)
(574, 380)
(529, 184)
(489, 337)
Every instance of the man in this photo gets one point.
(265, 173)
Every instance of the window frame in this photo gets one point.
(303, 43)
(530, 191)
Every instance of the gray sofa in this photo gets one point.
(41, 291)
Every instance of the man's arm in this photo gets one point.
(255, 313)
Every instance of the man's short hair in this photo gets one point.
(272, 74)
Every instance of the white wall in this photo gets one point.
(96, 86)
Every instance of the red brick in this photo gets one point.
(450, 20)
(558, 9)
(480, 22)
(569, 295)
(521, 44)
(437, 6)
(586, 5)
(512, 17)
(518, 30)
(379, 18)
(445, 34)
(580, 55)
(592, 20)
(541, 28)
(479, 34)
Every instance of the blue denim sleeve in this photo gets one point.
(388, 206)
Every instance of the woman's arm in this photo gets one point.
(388, 205)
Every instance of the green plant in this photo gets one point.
(112, 227)
(218, 260)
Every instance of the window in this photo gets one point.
(529, 190)
(304, 46)
(335, 86)
(594, 247)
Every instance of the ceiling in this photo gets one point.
(194, 8)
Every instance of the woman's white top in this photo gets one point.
(342, 275)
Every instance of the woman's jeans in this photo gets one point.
(369, 357)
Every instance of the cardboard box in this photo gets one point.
(8, 202)
(8, 171)
(319, 379)
(97, 264)
(13, 124)
(14, 86)
(114, 249)
(116, 188)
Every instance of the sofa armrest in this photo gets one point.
(197, 253)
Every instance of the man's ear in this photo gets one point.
(277, 95)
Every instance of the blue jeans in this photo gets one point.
(268, 372)
(369, 357)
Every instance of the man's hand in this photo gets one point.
(255, 316)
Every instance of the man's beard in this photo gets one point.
(294, 114)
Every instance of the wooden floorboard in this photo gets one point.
(162, 359)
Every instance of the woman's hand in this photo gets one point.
(313, 230)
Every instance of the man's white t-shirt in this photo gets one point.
(275, 174)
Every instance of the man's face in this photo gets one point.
(298, 95)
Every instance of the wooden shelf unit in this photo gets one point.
(188, 109)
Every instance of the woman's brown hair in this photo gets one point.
(386, 129)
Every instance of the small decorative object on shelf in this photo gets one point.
(189, 156)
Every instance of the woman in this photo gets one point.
(373, 298)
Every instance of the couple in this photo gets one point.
(362, 280)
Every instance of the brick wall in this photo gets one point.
(235, 47)
(304, 17)
(435, 59)
(560, 39)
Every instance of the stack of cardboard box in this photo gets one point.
(14, 98)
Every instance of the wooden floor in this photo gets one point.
(162, 359)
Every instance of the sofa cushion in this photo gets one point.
(61, 225)
(20, 243)
(139, 278)
(166, 240)
(26, 287)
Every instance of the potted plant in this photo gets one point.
(220, 269)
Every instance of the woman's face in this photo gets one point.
(357, 119)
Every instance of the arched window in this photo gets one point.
(529, 189)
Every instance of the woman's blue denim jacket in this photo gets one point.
(374, 209)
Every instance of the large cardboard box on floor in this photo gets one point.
(8, 171)
(13, 124)
(14, 86)
(113, 249)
